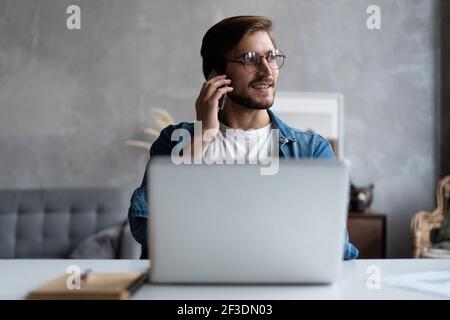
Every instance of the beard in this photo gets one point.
(249, 102)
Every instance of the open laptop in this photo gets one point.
(230, 224)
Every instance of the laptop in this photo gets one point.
(230, 224)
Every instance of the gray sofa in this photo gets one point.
(65, 223)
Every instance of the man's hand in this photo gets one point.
(207, 107)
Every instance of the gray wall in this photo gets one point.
(69, 99)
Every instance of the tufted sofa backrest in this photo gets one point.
(49, 223)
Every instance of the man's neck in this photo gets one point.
(239, 117)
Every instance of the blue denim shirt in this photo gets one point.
(293, 144)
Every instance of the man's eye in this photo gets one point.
(250, 57)
(273, 54)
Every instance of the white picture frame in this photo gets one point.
(322, 113)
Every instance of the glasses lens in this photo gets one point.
(277, 62)
(275, 59)
(251, 61)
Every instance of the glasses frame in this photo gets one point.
(258, 64)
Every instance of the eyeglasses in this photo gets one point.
(251, 61)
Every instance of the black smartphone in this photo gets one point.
(222, 100)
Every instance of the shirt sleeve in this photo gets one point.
(350, 251)
(323, 149)
(138, 210)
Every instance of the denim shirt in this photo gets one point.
(293, 144)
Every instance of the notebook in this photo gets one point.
(104, 286)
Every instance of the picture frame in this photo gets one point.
(321, 113)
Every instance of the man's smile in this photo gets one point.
(262, 86)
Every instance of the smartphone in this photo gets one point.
(222, 100)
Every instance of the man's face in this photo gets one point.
(250, 89)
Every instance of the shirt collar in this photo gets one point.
(285, 131)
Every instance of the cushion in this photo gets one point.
(436, 253)
(110, 243)
(441, 241)
(444, 232)
(129, 248)
(101, 245)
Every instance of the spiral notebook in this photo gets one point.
(104, 286)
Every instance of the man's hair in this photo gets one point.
(225, 35)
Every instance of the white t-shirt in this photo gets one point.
(241, 146)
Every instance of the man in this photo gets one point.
(244, 57)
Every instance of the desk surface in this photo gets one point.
(20, 276)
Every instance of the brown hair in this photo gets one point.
(225, 35)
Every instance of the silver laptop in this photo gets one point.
(230, 224)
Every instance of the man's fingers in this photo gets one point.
(212, 82)
(209, 81)
(221, 91)
(219, 77)
(210, 89)
(216, 81)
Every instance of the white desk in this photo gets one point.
(20, 276)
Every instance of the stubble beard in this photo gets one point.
(249, 102)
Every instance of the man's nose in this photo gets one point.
(263, 68)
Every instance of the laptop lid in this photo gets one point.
(230, 224)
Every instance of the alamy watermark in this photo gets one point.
(182, 152)
(73, 21)
(374, 20)
(73, 281)
(373, 281)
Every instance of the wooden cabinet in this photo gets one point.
(367, 232)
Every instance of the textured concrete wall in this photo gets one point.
(69, 99)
